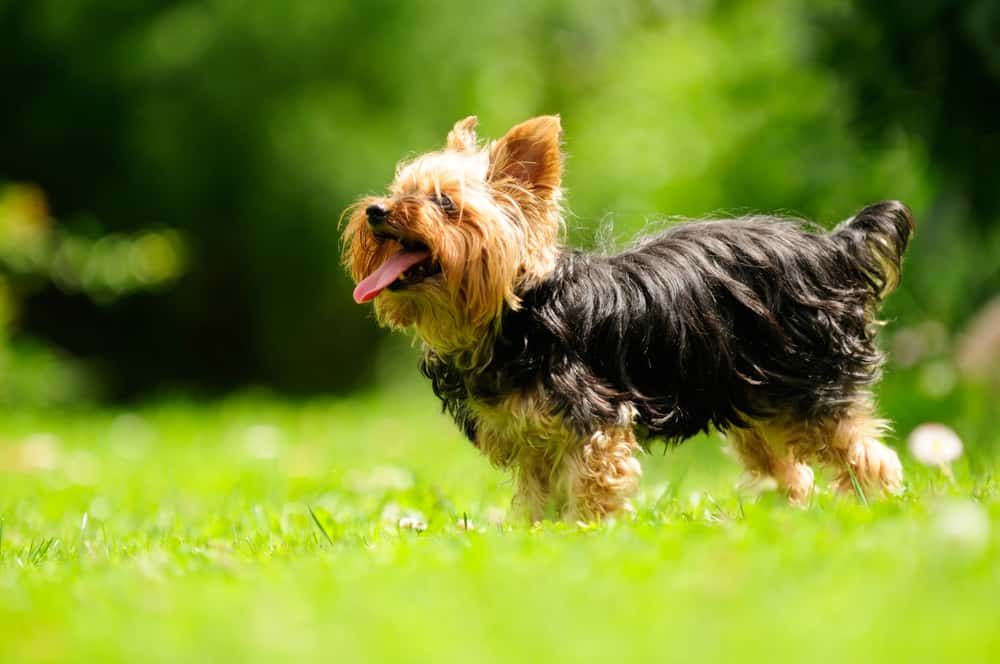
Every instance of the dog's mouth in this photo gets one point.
(410, 265)
(423, 268)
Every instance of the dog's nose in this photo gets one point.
(377, 213)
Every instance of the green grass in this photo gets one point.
(256, 531)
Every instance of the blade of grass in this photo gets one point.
(320, 525)
(718, 508)
(857, 486)
(83, 534)
(38, 551)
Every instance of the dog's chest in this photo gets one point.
(519, 423)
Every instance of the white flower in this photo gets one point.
(413, 523)
(934, 444)
(263, 441)
(963, 523)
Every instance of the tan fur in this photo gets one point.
(854, 442)
(462, 136)
(521, 433)
(783, 448)
(600, 475)
(766, 451)
(557, 472)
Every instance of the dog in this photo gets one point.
(563, 366)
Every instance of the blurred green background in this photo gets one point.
(172, 173)
(244, 479)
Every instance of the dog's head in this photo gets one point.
(460, 232)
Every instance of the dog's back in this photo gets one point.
(711, 322)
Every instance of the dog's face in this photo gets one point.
(460, 233)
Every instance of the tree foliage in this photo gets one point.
(250, 126)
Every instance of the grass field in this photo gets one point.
(251, 530)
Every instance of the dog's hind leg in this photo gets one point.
(852, 445)
(769, 451)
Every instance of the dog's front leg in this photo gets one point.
(532, 499)
(600, 474)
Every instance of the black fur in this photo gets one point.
(702, 325)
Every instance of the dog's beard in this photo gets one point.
(437, 320)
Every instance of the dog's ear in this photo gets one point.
(529, 155)
(462, 136)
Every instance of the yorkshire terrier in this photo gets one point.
(563, 365)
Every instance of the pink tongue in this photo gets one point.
(387, 273)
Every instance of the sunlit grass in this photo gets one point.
(367, 530)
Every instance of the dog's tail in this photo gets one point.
(875, 240)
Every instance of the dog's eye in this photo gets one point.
(444, 202)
